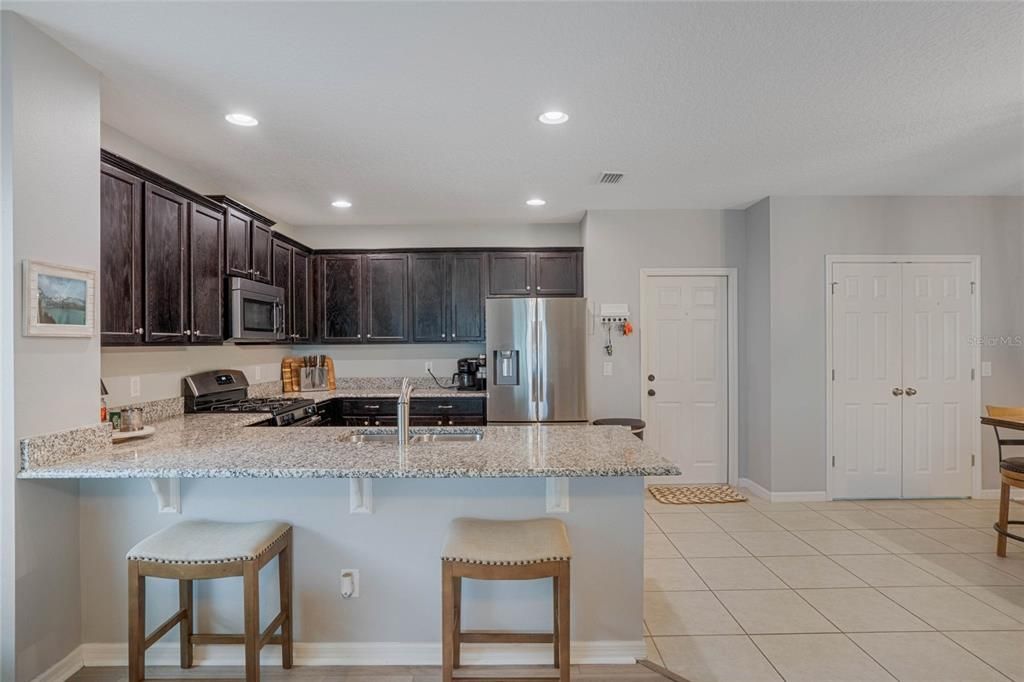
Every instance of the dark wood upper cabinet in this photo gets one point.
(165, 288)
(429, 293)
(341, 298)
(261, 252)
(467, 289)
(206, 275)
(387, 298)
(237, 227)
(557, 273)
(120, 256)
(301, 297)
(511, 274)
(281, 261)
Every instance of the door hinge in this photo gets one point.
(833, 375)
(833, 461)
(833, 286)
(972, 373)
(972, 460)
(973, 286)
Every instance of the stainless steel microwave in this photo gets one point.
(257, 311)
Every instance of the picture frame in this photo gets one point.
(58, 300)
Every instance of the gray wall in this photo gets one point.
(617, 244)
(396, 550)
(805, 230)
(431, 236)
(755, 345)
(52, 132)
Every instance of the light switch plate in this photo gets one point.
(607, 369)
(986, 369)
(134, 387)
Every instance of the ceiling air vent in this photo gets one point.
(610, 178)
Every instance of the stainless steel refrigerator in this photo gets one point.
(536, 352)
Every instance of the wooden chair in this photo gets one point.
(1011, 469)
(481, 549)
(203, 550)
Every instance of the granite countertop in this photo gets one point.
(225, 446)
(387, 393)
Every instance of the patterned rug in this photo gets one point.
(695, 494)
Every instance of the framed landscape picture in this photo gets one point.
(58, 300)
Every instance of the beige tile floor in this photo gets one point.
(872, 590)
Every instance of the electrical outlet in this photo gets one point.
(257, 373)
(607, 369)
(349, 583)
(986, 369)
(135, 387)
(428, 366)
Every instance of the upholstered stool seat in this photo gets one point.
(506, 543)
(1014, 464)
(208, 542)
(204, 550)
(482, 549)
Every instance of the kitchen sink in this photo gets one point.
(447, 437)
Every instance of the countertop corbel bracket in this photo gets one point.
(360, 496)
(168, 495)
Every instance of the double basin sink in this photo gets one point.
(414, 438)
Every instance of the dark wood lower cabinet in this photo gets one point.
(165, 235)
(121, 320)
(206, 275)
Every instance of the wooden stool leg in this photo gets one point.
(186, 627)
(136, 623)
(564, 613)
(251, 589)
(284, 569)
(1004, 517)
(447, 622)
(554, 619)
(457, 638)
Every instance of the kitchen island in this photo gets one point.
(387, 521)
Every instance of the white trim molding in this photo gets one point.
(168, 495)
(798, 496)
(975, 263)
(732, 341)
(371, 653)
(64, 668)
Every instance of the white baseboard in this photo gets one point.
(765, 494)
(993, 494)
(371, 653)
(64, 668)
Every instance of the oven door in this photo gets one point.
(257, 312)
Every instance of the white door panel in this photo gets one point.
(902, 326)
(866, 348)
(686, 352)
(938, 421)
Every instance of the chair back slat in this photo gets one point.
(1011, 412)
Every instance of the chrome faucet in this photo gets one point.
(404, 399)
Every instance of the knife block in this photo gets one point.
(291, 374)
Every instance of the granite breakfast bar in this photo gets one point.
(387, 521)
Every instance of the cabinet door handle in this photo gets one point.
(139, 330)
(188, 332)
(538, 288)
(527, 287)
(372, 407)
(445, 407)
(443, 335)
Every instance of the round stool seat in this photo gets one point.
(506, 543)
(1014, 464)
(208, 542)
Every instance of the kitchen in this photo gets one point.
(368, 312)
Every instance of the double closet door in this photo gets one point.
(903, 412)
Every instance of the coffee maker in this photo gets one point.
(471, 375)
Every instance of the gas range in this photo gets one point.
(226, 390)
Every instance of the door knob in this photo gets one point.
(911, 390)
(650, 377)
(138, 330)
(897, 391)
(651, 392)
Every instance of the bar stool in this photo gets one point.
(203, 550)
(481, 549)
(1011, 471)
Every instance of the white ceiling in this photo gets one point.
(426, 113)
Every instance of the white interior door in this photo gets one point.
(685, 373)
(902, 394)
(866, 357)
(938, 422)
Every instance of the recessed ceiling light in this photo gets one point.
(241, 120)
(535, 202)
(341, 203)
(553, 118)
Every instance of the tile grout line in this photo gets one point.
(971, 653)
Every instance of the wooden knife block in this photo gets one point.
(291, 374)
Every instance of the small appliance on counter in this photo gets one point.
(227, 390)
(471, 374)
